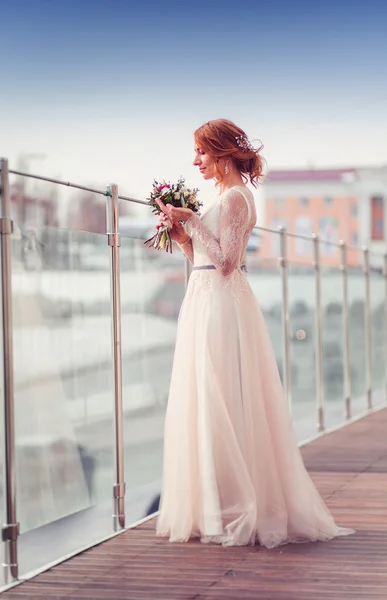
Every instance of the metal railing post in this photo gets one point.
(10, 529)
(285, 317)
(367, 322)
(318, 343)
(114, 241)
(346, 344)
(385, 319)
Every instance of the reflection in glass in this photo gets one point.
(302, 316)
(357, 332)
(152, 290)
(378, 335)
(265, 280)
(63, 389)
(333, 364)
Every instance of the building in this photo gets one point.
(32, 211)
(339, 204)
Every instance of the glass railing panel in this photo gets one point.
(63, 391)
(302, 326)
(2, 436)
(265, 280)
(265, 276)
(333, 343)
(357, 331)
(37, 203)
(152, 290)
(378, 332)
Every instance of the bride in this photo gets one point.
(233, 472)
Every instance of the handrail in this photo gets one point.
(310, 238)
(74, 185)
(58, 181)
(144, 203)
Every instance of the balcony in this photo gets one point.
(84, 410)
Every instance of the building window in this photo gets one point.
(279, 202)
(303, 226)
(355, 210)
(329, 233)
(377, 218)
(304, 201)
(328, 200)
(355, 238)
(276, 223)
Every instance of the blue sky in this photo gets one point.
(113, 89)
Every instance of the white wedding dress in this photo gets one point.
(233, 472)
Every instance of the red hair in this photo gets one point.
(222, 139)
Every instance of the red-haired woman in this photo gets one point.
(233, 472)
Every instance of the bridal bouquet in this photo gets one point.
(178, 195)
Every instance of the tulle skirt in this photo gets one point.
(233, 472)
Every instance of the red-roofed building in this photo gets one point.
(298, 175)
(340, 204)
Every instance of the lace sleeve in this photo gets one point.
(187, 249)
(233, 225)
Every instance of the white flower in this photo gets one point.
(177, 195)
(165, 191)
(186, 194)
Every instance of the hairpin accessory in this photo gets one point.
(244, 143)
(226, 169)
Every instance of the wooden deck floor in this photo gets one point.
(350, 469)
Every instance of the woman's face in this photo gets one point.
(205, 164)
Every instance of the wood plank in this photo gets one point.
(349, 467)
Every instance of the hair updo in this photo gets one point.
(223, 139)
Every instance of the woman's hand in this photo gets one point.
(177, 232)
(175, 214)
